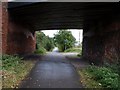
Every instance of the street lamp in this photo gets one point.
(65, 43)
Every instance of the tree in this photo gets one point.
(49, 43)
(40, 39)
(44, 41)
(64, 40)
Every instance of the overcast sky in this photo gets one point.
(75, 33)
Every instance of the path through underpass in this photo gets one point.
(53, 70)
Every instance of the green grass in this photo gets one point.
(80, 54)
(97, 77)
(14, 70)
(87, 81)
(74, 50)
(41, 50)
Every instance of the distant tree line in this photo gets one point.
(63, 39)
(44, 41)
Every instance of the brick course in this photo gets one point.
(4, 26)
(103, 42)
(20, 39)
(14, 36)
(0, 27)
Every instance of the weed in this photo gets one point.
(14, 70)
(106, 76)
(73, 50)
(41, 50)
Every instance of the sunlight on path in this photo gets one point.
(55, 49)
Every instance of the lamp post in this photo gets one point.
(65, 43)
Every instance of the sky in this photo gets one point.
(75, 33)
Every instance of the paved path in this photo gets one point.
(52, 71)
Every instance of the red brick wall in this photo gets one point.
(0, 27)
(102, 41)
(20, 40)
(4, 26)
(112, 42)
(93, 48)
(16, 39)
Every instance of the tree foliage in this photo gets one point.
(49, 43)
(64, 40)
(40, 39)
(44, 41)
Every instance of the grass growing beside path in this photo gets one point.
(74, 50)
(99, 77)
(41, 51)
(14, 70)
(91, 76)
(87, 81)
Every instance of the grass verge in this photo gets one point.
(41, 50)
(74, 50)
(99, 77)
(87, 81)
(14, 70)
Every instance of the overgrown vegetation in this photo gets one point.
(105, 77)
(73, 50)
(87, 81)
(14, 70)
(40, 50)
(44, 43)
(64, 40)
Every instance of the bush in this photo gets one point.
(49, 44)
(79, 55)
(64, 40)
(41, 50)
(115, 67)
(14, 70)
(106, 76)
(44, 41)
(9, 61)
(73, 50)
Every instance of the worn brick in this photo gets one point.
(102, 44)
(20, 39)
(4, 26)
(0, 27)
(15, 37)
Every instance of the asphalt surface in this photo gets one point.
(52, 71)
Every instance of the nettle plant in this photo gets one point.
(9, 61)
(106, 76)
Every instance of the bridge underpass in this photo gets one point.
(100, 23)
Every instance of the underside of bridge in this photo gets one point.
(100, 23)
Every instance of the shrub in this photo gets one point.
(44, 41)
(41, 50)
(115, 67)
(9, 61)
(14, 70)
(79, 55)
(64, 40)
(106, 76)
(73, 50)
(49, 44)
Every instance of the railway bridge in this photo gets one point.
(100, 23)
